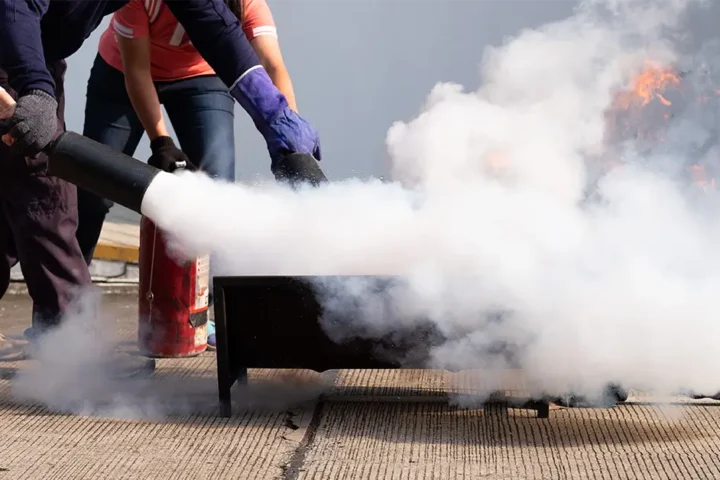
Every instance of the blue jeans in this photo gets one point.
(201, 112)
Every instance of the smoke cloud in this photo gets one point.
(501, 224)
(78, 368)
(81, 368)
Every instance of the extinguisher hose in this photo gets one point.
(100, 169)
(150, 295)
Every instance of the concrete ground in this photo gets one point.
(56, 424)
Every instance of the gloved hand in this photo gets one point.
(33, 124)
(167, 157)
(285, 131)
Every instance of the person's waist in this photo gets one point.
(161, 72)
(181, 62)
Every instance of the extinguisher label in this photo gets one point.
(202, 283)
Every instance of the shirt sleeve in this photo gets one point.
(258, 19)
(132, 20)
(215, 32)
(22, 55)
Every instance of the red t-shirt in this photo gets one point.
(172, 56)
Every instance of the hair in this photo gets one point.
(238, 8)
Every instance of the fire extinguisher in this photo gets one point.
(174, 298)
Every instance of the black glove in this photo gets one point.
(167, 157)
(34, 123)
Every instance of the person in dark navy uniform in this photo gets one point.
(38, 218)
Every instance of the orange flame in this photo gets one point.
(700, 177)
(648, 86)
(629, 106)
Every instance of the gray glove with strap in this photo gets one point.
(34, 124)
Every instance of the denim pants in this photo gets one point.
(201, 112)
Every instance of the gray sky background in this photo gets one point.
(358, 66)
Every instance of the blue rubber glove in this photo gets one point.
(285, 131)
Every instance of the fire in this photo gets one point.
(700, 177)
(642, 112)
(648, 86)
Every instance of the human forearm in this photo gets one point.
(135, 54)
(268, 51)
(217, 34)
(21, 54)
(146, 103)
(33, 123)
(281, 79)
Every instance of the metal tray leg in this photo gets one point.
(225, 374)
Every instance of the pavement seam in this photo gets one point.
(297, 461)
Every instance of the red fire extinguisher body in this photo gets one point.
(173, 303)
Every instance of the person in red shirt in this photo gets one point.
(145, 60)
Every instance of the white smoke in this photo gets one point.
(497, 225)
(81, 368)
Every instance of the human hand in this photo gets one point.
(33, 123)
(167, 157)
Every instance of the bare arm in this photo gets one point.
(267, 48)
(135, 54)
